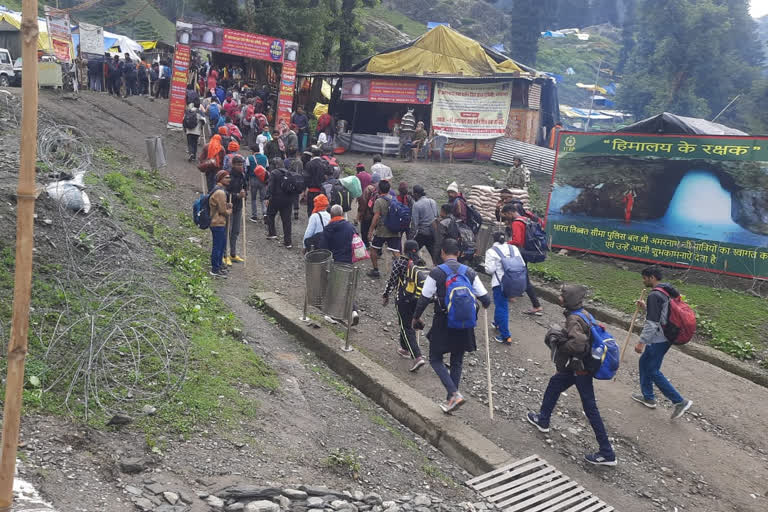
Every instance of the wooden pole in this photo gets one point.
(488, 362)
(631, 326)
(25, 242)
(245, 237)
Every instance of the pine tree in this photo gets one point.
(525, 25)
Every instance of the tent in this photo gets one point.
(442, 51)
(10, 33)
(679, 125)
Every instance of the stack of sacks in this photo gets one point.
(485, 198)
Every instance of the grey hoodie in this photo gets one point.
(657, 315)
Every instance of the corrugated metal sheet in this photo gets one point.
(538, 159)
(534, 97)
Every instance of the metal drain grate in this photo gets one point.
(532, 485)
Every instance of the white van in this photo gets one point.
(6, 68)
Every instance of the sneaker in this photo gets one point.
(533, 419)
(237, 259)
(420, 361)
(404, 353)
(502, 340)
(600, 460)
(289, 246)
(374, 274)
(254, 218)
(638, 397)
(218, 273)
(355, 318)
(453, 403)
(271, 237)
(227, 261)
(680, 408)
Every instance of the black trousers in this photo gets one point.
(192, 144)
(428, 241)
(235, 220)
(285, 211)
(405, 310)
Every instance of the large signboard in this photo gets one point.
(91, 39)
(471, 111)
(689, 201)
(384, 90)
(178, 92)
(232, 42)
(60, 33)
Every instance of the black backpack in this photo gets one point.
(341, 196)
(536, 247)
(290, 183)
(190, 120)
(474, 219)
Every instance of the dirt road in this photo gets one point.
(714, 459)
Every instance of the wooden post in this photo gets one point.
(25, 241)
(488, 362)
(352, 128)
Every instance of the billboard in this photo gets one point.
(688, 201)
(91, 39)
(60, 32)
(471, 110)
(383, 90)
(231, 42)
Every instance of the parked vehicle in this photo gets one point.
(6, 68)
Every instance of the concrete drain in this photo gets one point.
(532, 485)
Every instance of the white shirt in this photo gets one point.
(430, 287)
(493, 261)
(322, 138)
(384, 172)
(316, 225)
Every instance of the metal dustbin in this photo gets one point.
(340, 290)
(155, 152)
(317, 264)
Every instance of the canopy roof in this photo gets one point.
(679, 125)
(442, 51)
(12, 20)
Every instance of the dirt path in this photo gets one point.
(715, 459)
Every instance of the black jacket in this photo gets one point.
(237, 183)
(337, 238)
(316, 172)
(274, 192)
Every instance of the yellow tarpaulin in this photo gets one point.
(591, 87)
(148, 45)
(441, 50)
(13, 19)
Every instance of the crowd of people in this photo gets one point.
(125, 76)
(279, 177)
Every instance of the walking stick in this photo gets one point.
(245, 238)
(631, 326)
(488, 362)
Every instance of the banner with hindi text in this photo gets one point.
(471, 110)
(60, 32)
(688, 201)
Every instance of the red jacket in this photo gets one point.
(518, 233)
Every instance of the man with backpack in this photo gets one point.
(257, 180)
(457, 201)
(220, 209)
(294, 164)
(337, 238)
(424, 217)
(508, 279)
(282, 188)
(520, 226)
(315, 172)
(236, 191)
(380, 232)
(193, 123)
(571, 353)
(407, 281)
(456, 289)
(655, 340)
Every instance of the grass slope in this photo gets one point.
(731, 321)
(395, 18)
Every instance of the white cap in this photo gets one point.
(453, 187)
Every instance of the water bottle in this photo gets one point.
(597, 352)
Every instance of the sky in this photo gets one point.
(758, 8)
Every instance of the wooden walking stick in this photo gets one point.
(631, 326)
(25, 242)
(488, 362)
(245, 239)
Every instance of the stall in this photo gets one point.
(463, 91)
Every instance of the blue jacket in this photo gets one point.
(337, 238)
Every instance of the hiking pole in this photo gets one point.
(488, 362)
(631, 326)
(245, 237)
(25, 243)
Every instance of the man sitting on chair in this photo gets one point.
(417, 141)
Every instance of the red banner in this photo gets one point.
(413, 92)
(252, 46)
(287, 86)
(178, 94)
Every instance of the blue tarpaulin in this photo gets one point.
(433, 24)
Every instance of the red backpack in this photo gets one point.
(681, 320)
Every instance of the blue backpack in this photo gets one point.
(201, 210)
(398, 218)
(514, 281)
(213, 113)
(536, 246)
(460, 302)
(603, 361)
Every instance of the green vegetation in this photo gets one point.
(733, 322)
(223, 374)
(395, 18)
(343, 462)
